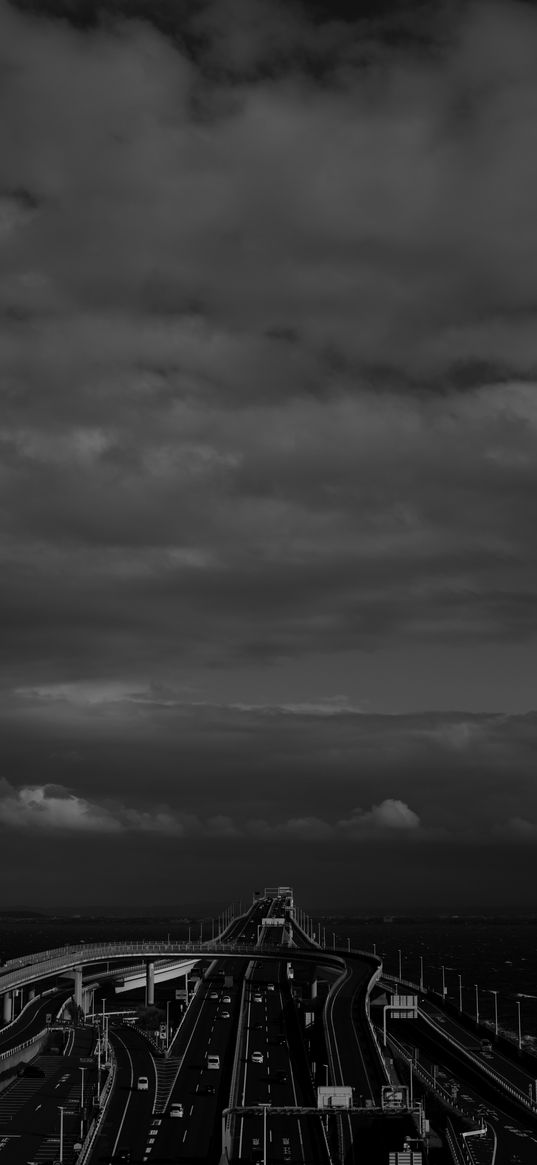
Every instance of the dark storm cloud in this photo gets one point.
(268, 357)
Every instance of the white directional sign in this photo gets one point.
(404, 1006)
(334, 1096)
(273, 922)
(394, 1096)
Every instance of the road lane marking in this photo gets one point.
(184, 1134)
(131, 1084)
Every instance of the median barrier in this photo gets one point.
(106, 1095)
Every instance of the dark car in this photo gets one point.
(123, 1155)
(281, 1076)
(29, 1070)
(208, 1089)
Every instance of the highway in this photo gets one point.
(478, 1095)
(32, 1020)
(29, 1108)
(247, 1012)
(282, 1077)
(139, 1123)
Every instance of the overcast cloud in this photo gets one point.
(268, 435)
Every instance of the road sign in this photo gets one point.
(273, 921)
(404, 1006)
(334, 1096)
(394, 1097)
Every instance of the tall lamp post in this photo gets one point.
(421, 972)
(167, 1024)
(400, 953)
(60, 1156)
(264, 1107)
(82, 1104)
(476, 1003)
(443, 981)
(519, 1024)
(460, 991)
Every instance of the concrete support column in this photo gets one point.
(7, 1007)
(77, 975)
(150, 984)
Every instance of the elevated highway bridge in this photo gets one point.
(262, 1013)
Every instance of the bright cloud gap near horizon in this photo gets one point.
(268, 436)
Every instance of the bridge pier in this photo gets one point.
(150, 984)
(7, 1007)
(31, 993)
(77, 975)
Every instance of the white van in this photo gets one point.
(213, 1061)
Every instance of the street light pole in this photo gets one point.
(519, 1025)
(60, 1158)
(400, 953)
(82, 1104)
(443, 982)
(167, 1024)
(421, 972)
(460, 991)
(476, 1003)
(265, 1106)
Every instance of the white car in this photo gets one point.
(143, 1084)
(271, 987)
(257, 1057)
(176, 1109)
(224, 1015)
(213, 995)
(258, 998)
(226, 999)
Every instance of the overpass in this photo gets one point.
(354, 1059)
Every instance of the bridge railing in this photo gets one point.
(69, 957)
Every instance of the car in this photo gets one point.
(257, 1057)
(271, 987)
(281, 1076)
(123, 1155)
(176, 1109)
(282, 1040)
(286, 1149)
(213, 995)
(208, 1090)
(143, 1084)
(226, 999)
(258, 998)
(213, 1060)
(224, 1015)
(258, 1027)
(29, 1070)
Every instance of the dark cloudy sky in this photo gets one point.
(268, 452)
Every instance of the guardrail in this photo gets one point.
(74, 957)
(26, 1044)
(427, 1078)
(106, 1095)
(460, 1153)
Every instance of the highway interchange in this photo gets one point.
(244, 1012)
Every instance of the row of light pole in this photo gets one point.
(317, 935)
(490, 991)
(217, 924)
